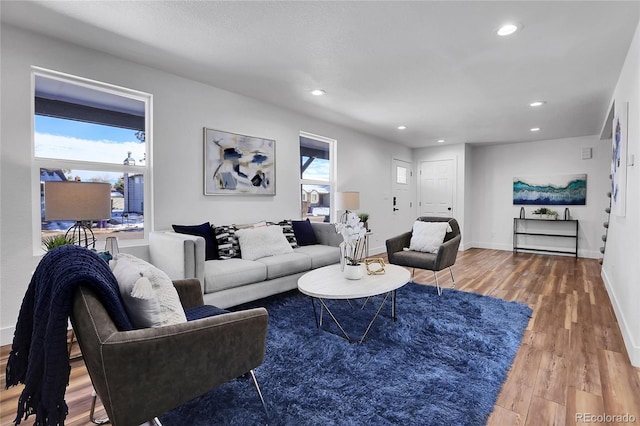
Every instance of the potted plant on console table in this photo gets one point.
(545, 213)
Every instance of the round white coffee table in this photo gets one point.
(329, 283)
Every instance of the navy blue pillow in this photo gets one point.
(203, 311)
(304, 232)
(205, 231)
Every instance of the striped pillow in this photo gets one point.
(228, 245)
(287, 230)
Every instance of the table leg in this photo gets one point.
(376, 316)
(335, 320)
(393, 305)
(315, 317)
(324, 306)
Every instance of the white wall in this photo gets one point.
(468, 183)
(621, 269)
(457, 153)
(182, 108)
(492, 172)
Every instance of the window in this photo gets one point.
(87, 131)
(316, 176)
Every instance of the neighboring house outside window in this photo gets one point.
(89, 131)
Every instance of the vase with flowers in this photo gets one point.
(352, 248)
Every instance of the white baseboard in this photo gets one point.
(6, 335)
(374, 251)
(633, 349)
(465, 246)
(589, 254)
(490, 246)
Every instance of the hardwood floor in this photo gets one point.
(572, 361)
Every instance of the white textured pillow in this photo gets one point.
(428, 236)
(149, 296)
(262, 242)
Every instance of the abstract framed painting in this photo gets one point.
(237, 164)
(555, 190)
(619, 160)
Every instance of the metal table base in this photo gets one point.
(324, 306)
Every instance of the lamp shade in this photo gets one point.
(77, 200)
(347, 200)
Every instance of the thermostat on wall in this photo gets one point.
(586, 153)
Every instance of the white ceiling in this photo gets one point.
(435, 66)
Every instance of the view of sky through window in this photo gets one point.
(319, 169)
(75, 140)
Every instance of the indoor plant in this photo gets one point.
(54, 241)
(546, 213)
(364, 218)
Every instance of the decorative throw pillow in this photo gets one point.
(205, 231)
(428, 236)
(262, 242)
(260, 224)
(149, 296)
(228, 246)
(287, 230)
(304, 232)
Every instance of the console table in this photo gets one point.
(558, 229)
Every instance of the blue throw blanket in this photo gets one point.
(39, 357)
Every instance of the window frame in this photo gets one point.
(332, 170)
(44, 162)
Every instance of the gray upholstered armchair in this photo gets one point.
(445, 257)
(141, 374)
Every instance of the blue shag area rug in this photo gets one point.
(442, 362)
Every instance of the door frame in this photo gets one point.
(411, 190)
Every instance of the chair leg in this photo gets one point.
(435, 275)
(71, 339)
(452, 279)
(70, 346)
(93, 409)
(255, 383)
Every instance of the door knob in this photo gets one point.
(395, 210)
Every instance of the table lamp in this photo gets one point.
(347, 201)
(83, 202)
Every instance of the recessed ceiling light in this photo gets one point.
(537, 103)
(318, 92)
(402, 127)
(440, 141)
(535, 129)
(508, 29)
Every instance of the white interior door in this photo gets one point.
(436, 188)
(403, 211)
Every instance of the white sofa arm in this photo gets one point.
(180, 256)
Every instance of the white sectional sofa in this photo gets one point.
(230, 282)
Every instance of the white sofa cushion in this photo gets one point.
(320, 255)
(230, 273)
(285, 264)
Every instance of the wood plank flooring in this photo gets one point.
(572, 359)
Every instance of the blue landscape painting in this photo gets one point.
(558, 190)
